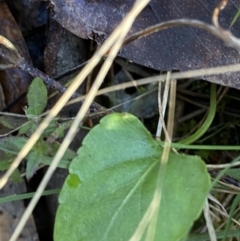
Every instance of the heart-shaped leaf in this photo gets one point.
(112, 182)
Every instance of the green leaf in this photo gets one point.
(33, 160)
(4, 165)
(62, 127)
(50, 129)
(12, 122)
(12, 144)
(68, 155)
(36, 157)
(112, 182)
(43, 152)
(37, 97)
(28, 128)
(62, 164)
(16, 176)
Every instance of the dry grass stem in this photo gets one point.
(151, 214)
(114, 42)
(162, 106)
(181, 75)
(211, 231)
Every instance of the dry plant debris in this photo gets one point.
(179, 48)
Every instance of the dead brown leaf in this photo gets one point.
(180, 48)
(14, 82)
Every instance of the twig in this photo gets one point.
(225, 35)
